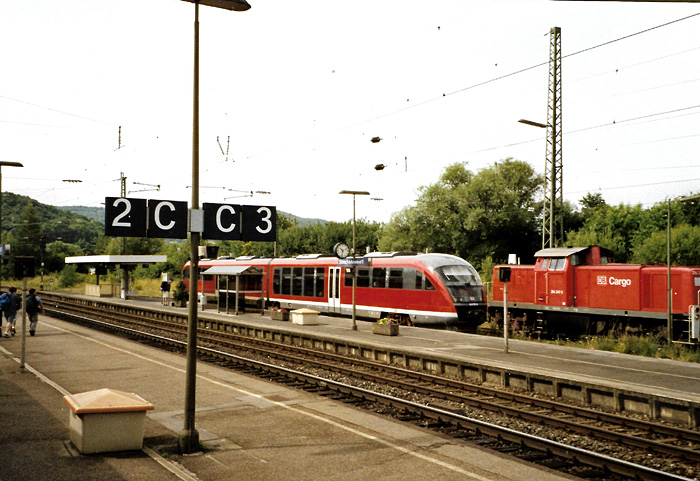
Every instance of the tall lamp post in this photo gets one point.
(4, 164)
(354, 270)
(188, 439)
(550, 237)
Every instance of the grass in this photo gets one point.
(648, 346)
(139, 287)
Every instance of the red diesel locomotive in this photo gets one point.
(580, 291)
(420, 289)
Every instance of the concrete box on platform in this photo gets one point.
(306, 317)
(107, 420)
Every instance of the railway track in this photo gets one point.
(447, 405)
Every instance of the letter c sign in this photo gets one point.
(167, 219)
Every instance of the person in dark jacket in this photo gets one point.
(10, 310)
(33, 306)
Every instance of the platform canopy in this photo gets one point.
(123, 260)
(231, 270)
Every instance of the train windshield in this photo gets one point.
(463, 282)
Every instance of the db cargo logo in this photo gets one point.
(613, 281)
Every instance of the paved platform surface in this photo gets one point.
(252, 429)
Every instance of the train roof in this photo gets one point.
(227, 270)
(560, 251)
(569, 251)
(431, 259)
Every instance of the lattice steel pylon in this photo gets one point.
(552, 212)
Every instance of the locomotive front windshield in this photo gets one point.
(463, 282)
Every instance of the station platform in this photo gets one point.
(251, 429)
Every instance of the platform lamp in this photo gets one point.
(188, 438)
(354, 270)
(2, 246)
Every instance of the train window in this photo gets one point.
(276, 278)
(409, 278)
(418, 276)
(362, 277)
(557, 264)
(396, 278)
(297, 281)
(575, 260)
(545, 261)
(286, 280)
(458, 274)
(207, 277)
(309, 280)
(320, 281)
(379, 277)
(429, 285)
(186, 273)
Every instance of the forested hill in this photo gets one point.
(94, 213)
(52, 222)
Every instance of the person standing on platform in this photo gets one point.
(14, 302)
(165, 287)
(33, 306)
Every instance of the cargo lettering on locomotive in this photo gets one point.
(620, 282)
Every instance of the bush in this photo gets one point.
(69, 276)
(180, 292)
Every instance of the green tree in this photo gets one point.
(591, 202)
(56, 253)
(685, 240)
(134, 246)
(320, 238)
(28, 233)
(475, 216)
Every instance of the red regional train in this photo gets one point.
(416, 289)
(579, 290)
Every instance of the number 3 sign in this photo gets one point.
(168, 219)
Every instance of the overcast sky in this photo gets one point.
(301, 88)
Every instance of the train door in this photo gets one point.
(559, 289)
(551, 282)
(334, 289)
(541, 282)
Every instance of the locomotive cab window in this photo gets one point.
(545, 263)
(557, 264)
